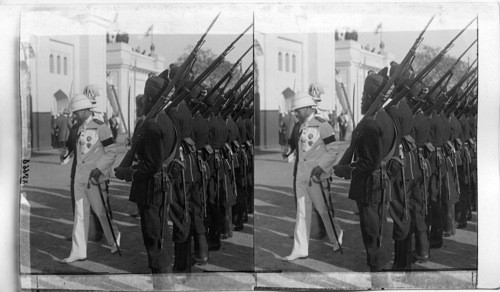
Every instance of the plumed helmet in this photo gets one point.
(316, 90)
(153, 87)
(80, 102)
(301, 100)
(91, 91)
(374, 83)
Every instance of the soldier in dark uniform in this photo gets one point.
(463, 207)
(421, 171)
(204, 154)
(450, 186)
(403, 185)
(237, 174)
(439, 134)
(186, 213)
(243, 172)
(249, 122)
(472, 144)
(455, 155)
(375, 142)
(155, 147)
(216, 140)
(227, 188)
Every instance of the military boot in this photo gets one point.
(200, 249)
(421, 253)
(402, 254)
(182, 257)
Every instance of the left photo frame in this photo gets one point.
(136, 147)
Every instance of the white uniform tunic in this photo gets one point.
(315, 148)
(95, 149)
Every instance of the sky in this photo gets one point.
(171, 46)
(398, 43)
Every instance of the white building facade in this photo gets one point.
(69, 53)
(352, 64)
(128, 70)
(289, 61)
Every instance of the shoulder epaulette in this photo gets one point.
(99, 122)
(320, 119)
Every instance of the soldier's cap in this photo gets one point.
(302, 100)
(154, 87)
(164, 75)
(374, 83)
(402, 78)
(416, 90)
(173, 70)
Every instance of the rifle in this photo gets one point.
(238, 99)
(460, 100)
(163, 99)
(448, 75)
(184, 92)
(246, 105)
(230, 95)
(381, 98)
(219, 99)
(440, 102)
(424, 72)
(223, 96)
(219, 83)
(466, 107)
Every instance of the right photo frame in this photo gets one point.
(366, 131)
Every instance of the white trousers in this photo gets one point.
(306, 196)
(84, 199)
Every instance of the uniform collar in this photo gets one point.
(310, 118)
(87, 121)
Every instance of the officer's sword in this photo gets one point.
(183, 177)
(329, 209)
(423, 167)
(456, 170)
(203, 183)
(403, 159)
(107, 214)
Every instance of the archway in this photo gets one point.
(62, 101)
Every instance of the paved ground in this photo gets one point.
(275, 220)
(48, 219)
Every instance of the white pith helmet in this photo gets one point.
(79, 102)
(301, 100)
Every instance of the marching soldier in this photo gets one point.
(455, 156)
(403, 185)
(217, 139)
(368, 185)
(186, 212)
(418, 200)
(228, 198)
(203, 154)
(316, 155)
(463, 207)
(237, 174)
(243, 173)
(451, 196)
(437, 182)
(156, 148)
